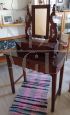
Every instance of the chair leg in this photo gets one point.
(9, 63)
(24, 74)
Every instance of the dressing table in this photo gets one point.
(40, 56)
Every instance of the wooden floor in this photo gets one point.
(6, 97)
(62, 105)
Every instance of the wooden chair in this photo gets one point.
(50, 46)
(14, 59)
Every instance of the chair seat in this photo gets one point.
(32, 96)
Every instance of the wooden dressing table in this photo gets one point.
(52, 63)
(54, 66)
(34, 57)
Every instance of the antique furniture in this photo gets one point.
(32, 52)
(32, 97)
(52, 67)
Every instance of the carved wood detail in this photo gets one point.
(53, 26)
(28, 20)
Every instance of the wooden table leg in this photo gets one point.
(54, 76)
(10, 73)
(60, 81)
(24, 74)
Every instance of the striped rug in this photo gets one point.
(32, 96)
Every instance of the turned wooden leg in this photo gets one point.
(24, 74)
(10, 73)
(60, 81)
(23, 67)
(54, 76)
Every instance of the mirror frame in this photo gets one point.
(34, 7)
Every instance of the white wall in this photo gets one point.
(17, 4)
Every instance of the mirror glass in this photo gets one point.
(40, 21)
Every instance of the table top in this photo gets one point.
(45, 55)
(42, 59)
